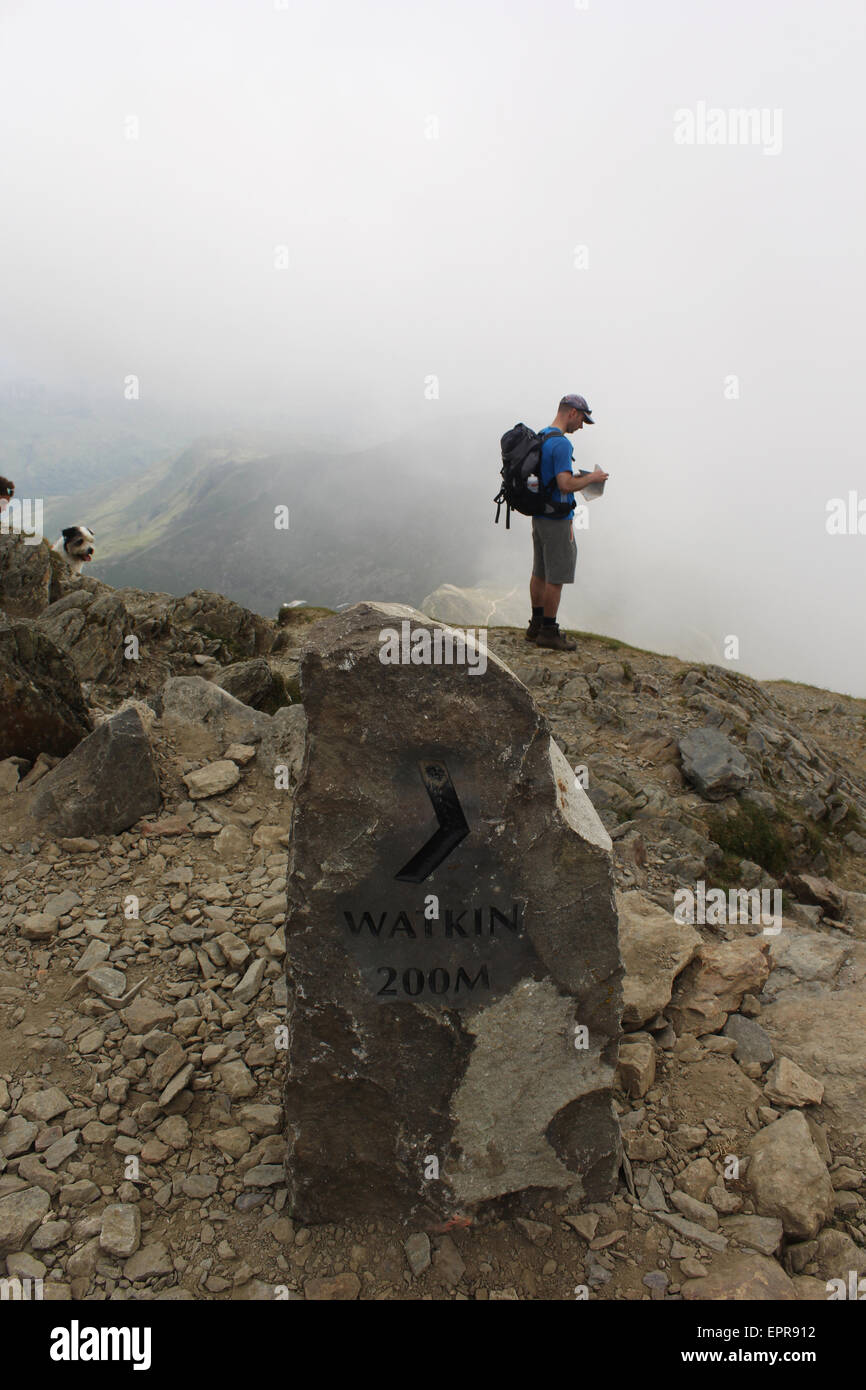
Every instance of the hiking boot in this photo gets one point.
(554, 640)
(533, 630)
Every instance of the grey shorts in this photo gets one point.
(554, 549)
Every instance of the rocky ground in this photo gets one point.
(142, 992)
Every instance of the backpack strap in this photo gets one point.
(551, 434)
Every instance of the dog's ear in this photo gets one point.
(69, 531)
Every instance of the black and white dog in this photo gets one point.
(76, 546)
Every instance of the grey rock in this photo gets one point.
(251, 983)
(29, 574)
(241, 632)
(212, 780)
(167, 1064)
(120, 1233)
(713, 764)
(199, 1185)
(144, 1014)
(283, 742)
(809, 955)
(465, 1051)
(693, 1210)
(265, 1175)
(753, 1044)
(90, 626)
(788, 1178)
(42, 709)
(20, 1214)
(235, 1079)
(43, 1105)
(58, 904)
(96, 952)
(417, 1249)
(448, 1262)
(254, 683)
(61, 1149)
(50, 1234)
(80, 1193)
(148, 1262)
(748, 1278)
(17, 1136)
(193, 700)
(39, 926)
(106, 982)
(10, 774)
(761, 1233)
(178, 1083)
(690, 1231)
(655, 948)
(103, 787)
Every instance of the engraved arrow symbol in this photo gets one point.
(453, 826)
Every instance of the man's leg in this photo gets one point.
(537, 586)
(560, 559)
(550, 599)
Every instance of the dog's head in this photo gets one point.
(78, 542)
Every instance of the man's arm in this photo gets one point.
(570, 482)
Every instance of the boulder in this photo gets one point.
(42, 708)
(467, 949)
(761, 1233)
(240, 632)
(741, 1277)
(787, 1084)
(212, 780)
(636, 1070)
(193, 700)
(822, 892)
(254, 683)
(107, 784)
(283, 743)
(713, 764)
(91, 629)
(714, 984)
(788, 1178)
(655, 948)
(29, 575)
(20, 1214)
(120, 1233)
(753, 1044)
(809, 955)
(826, 1036)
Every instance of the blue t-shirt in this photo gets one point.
(557, 457)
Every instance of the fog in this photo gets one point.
(355, 220)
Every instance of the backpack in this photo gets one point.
(522, 489)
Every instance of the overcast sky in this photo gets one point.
(500, 196)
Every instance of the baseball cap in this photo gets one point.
(578, 403)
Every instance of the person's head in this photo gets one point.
(7, 492)
(573, 414)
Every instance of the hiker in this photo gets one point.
(7, 492)
(554, 550)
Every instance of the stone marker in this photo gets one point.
(451, 929)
